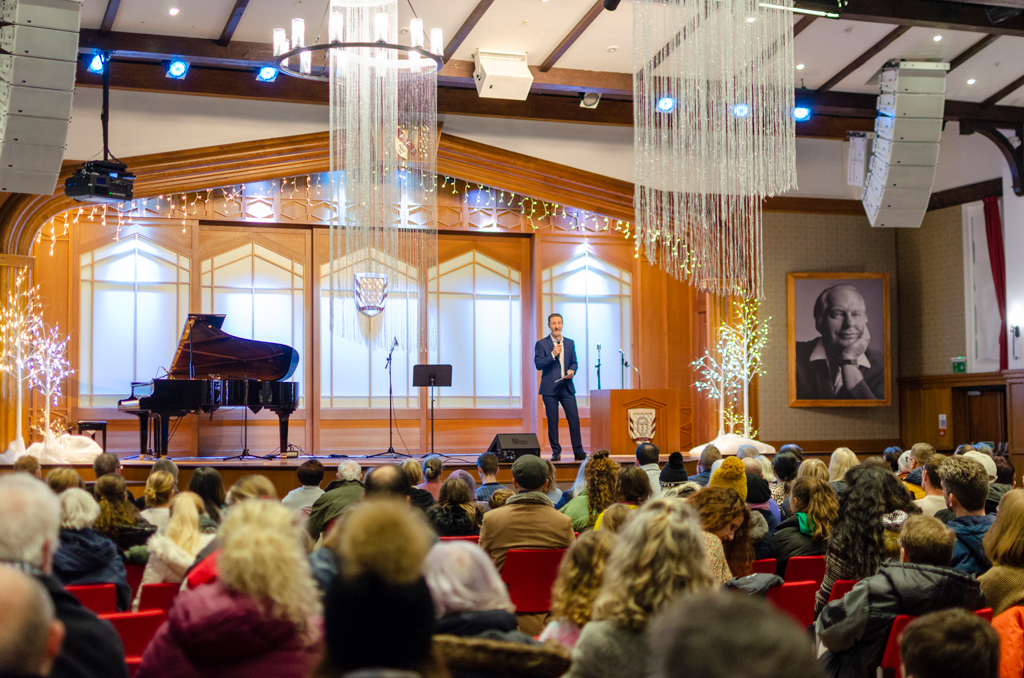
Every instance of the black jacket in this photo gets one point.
(88, 557)
(421, 499)
(856, 627)
(493, 624)
(791, 542)
(452, 521)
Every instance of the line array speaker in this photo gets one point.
(906, 148)
(39, 40)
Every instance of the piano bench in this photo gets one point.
(94, 426)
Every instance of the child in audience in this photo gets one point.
(950, 644)
(579, 579)
(632, 488)
(301, 499)
(615, 516)
(499, 497)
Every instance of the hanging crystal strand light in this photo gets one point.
(713, 90)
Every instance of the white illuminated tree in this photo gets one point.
(719, 380)
(746, 335)
(20, 319)
(49, 367)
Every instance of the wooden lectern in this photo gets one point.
(611, 412)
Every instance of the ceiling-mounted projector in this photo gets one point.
(100, 181)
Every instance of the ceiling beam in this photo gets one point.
(467, 26)
(800, 26)
(232, 22)
(931, 14)
(108, 16)
(872, 51)
(1004, 92)
(573, 35)
(963, 56)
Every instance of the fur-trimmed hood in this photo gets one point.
(485, 657)
(177, 559)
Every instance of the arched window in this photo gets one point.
(479, 330)
(134, 298)
(593, 297)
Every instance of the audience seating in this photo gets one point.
(806, 568)
(795, 599)
(764, 566)
(529, 575)
(135, 573)
(891, 664)
(158, 596)
(136, 630)
(475, 538)
(841, 588)
(100, 598)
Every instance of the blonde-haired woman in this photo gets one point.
(158, 494)
(842, 460)
(658, 556)
(260, 618)
(173, 550)
(1003, 584)
(580, 576)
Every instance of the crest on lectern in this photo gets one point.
(641, 424)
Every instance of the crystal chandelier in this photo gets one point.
(712, 95)
(383, 145)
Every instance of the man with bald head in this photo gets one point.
(31, 635)
(839, 365)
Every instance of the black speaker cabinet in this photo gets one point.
(511, 446)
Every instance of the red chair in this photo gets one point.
(158, 596)
(841, 588)
(806, 568)
(100, 598)
(795, 599)
(529, 575)
(135, 577)
(764, 566)
(136, 630)
(891, 663)
(475, 538)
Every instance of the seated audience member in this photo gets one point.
(814, 468)
(965, 487)
(339, 495)
(167, 466)
(85, 556)
(26, 463)
(872, 512)
(553, 493)
(950, 644)
(933, 500)
(763, 522)
(159, 490)
(433, 468)
(301, 499)
(1005, 481)
(647, 456)
(499, 497)
(842, 460)
(708, 456)
(419, 497)
(657, 558)
(767, 472)
(877, 462)
(725, 520)
(105, 464)
(29, 536)
(730, 473)
(1003, 584)
(60, 479)
(795, 450)
(615, 516)
(747, 451)
(600, 478)
(632, 488)
(527, 520)
(673, 474)
(579, 579)
(856, 627)
(119, 519)
(173, 550)
(683, 491)
(920, 453)
(456, 514)
(31, 635)
(891, 456)
(786, 466)
(258, 619)
(252, 486)
(207, 483)
(388, 482)
(963, 448)
(806, 532)
(487, 467)
(986, 461)
(729, 636)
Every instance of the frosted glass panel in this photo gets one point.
(459, 280)
(157, 312)
(237, 306)
(489, 282)
(493, 362)
(235, 274)
(114, 329)
(270, 276)
(455, 338)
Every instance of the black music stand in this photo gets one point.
(431, 376)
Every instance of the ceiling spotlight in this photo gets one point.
(173, 11)
(751, 19)
(266, 74)
(937, 38)
(801, 112)
(177, 69)
(611, 48)
(96, 64)
(740, 110)
(971, 81)
(666, 104)
(799, 67)
(590, 99)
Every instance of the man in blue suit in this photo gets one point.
(555, 357)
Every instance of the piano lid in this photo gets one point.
(213, 353)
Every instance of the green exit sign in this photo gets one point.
(959, 364)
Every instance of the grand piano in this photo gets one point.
(213, 369)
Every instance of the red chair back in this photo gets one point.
(985, 613)
(529, 575)
(795, 599)
(764, 566)
(135, 577)
(806, 568)
(841, 588)
(100, 598)
(158, 596)
(475, 538)
(136, 629)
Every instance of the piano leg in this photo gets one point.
(161, 450)
(283, 428)
(143, 433)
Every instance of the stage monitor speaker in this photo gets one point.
(501, 75)
(511, 446)
(906, 150)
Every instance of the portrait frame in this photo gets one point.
(799, 311)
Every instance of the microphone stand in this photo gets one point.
(599, 367)
(391, 410)
(625, 365)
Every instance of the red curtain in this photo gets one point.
(996, 257)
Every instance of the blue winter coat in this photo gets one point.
(89, 557)
(968, 552)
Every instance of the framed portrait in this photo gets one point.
(838, 339)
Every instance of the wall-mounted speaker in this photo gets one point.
(501, 75)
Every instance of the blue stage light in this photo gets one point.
(741, 110)
(666, 104)
(266, 74)
(96, 64)
(177, 69)
(801, 112)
